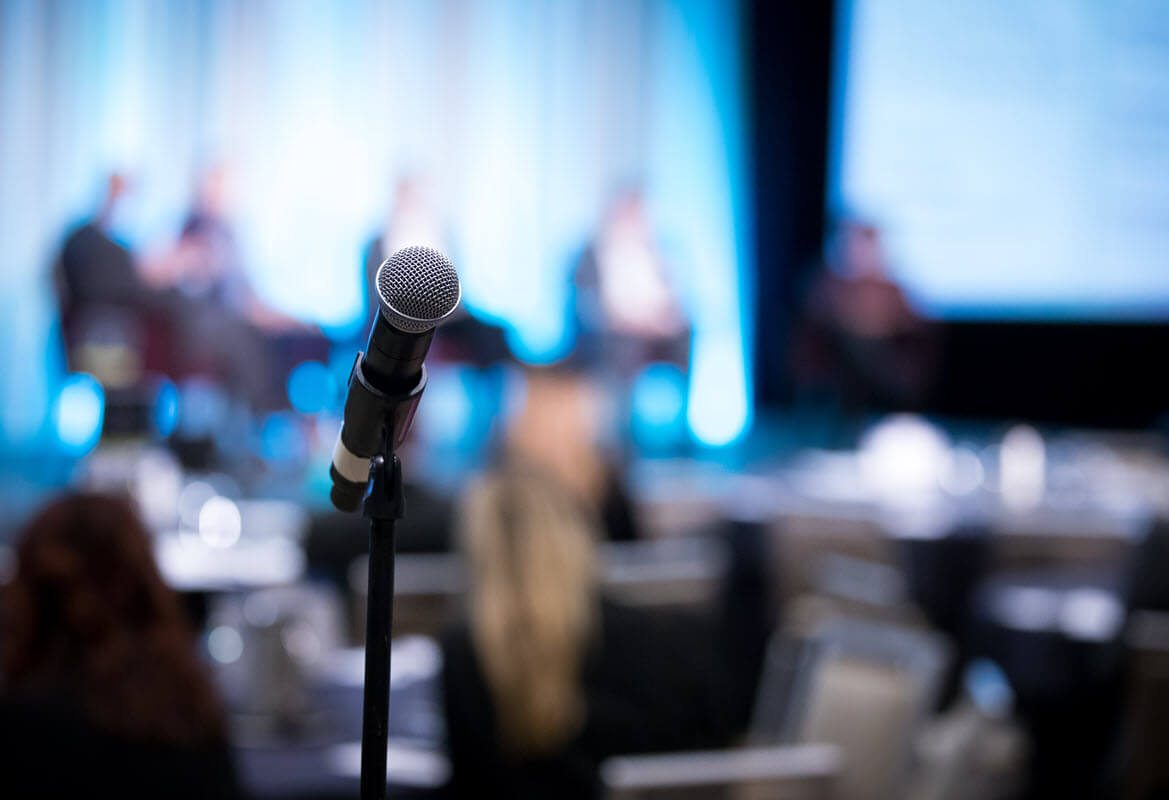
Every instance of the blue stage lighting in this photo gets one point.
(449, 406)
(719, 412)
(166, 407)
(78, 412)
(659, 400)
(282, 438)
(203, 408)
(312, 388)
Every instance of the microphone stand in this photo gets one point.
(384, 506)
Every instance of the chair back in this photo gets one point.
(864, 686)
(775, 773)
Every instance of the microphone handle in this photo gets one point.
(393, 358)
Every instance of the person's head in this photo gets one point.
(114, 191)
(117, 185)
(531, 553)
(408, 192)
(559, 429)
(856, 249)
(87, 613)
(213, 190)
(626, 209)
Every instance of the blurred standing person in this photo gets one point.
(627, 307)
(103, 693)
(860, 338)
(546, 677)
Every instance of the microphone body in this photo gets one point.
(417, 288)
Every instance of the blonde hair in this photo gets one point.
(557, 430)
(532, 558)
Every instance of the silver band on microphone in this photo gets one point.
(352, 467)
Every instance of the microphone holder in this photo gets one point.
(384, 506)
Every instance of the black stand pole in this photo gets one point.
(383, 507)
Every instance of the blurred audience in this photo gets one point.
(860, 340)
(103, 694)
(546, 677)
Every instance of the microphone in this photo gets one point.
(417, 289)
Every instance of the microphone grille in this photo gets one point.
(417, 288)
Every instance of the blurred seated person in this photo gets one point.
(558, 430)
(546, 678)
(205, 262)
(860, 337)
(93, 267)
(223, 319)
(627, 306)
(109, 317)
(102, 694)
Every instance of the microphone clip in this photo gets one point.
(395, 410)
(386, 500)
(374, 426)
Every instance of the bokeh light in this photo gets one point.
(78, 411)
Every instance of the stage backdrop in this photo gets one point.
(523, 116)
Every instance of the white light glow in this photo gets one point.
(260, 609)
(1091, 614)
(965, 475)
(903, 458)
(225, 644)
(1022, 468)
(219, 522)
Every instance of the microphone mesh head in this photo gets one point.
(417, 288)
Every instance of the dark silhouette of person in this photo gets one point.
(103, 693)
(546, 677)
(96, 269)
(102, 299)
(859, 338)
